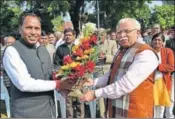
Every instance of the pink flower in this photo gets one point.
(93, 39)
(67, 59)
(90, 66)
(78, 52)
(86, 45)
(79, 70)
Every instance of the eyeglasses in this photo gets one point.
(126, 31)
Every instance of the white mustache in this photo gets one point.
(119, 40)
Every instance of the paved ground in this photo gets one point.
(4, 115)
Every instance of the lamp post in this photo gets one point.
(98, 13)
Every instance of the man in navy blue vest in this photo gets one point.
(28, 65)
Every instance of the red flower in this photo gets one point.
(72, 78)
(67, 59)
(90, 66)
(79, 70)
(86, 45)
(93, 39)
(54, 77)
(78, 52)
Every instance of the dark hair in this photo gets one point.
(25, 15)
(50, 33)
(113, 31)
(157, 35)
(69, 30)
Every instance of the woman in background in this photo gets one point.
(163, 81)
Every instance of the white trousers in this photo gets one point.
(159, 110)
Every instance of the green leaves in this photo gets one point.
(88, 29)
(10, 13)
(117, 10)
(58, 23)
(164, 15)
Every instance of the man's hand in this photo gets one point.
(88, 96)
(54, 76)
(89, 82)
(64, 86)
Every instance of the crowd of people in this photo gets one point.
(133, 78)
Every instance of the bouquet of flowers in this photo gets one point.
(82, 60)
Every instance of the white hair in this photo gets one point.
(7, 37)
(137, 24)
(58, 34)
(156, 25)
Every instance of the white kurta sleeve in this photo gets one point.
(19, 75)
(143, 65)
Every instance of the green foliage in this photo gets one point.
(94, 56)
(164, 15)
(10, 13)
(48, 10)
(88, 29)
(117, 10)
(58, 23)
(51, 11)
(56, 7)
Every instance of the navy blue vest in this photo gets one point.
(33, 104)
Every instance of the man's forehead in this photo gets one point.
(69, 32)
(126, 25)
(10, 38)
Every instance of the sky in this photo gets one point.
(155, 2)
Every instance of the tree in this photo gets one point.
(10, 13)
(50, 10)
(164, 15)
(47, 10)
(116, 10)
(74, 12)
(58, 24)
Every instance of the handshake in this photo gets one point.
(65, 87)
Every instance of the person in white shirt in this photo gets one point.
(9, 40)
(50, 45)
(59, 39)
(128, 86)
(29, 67)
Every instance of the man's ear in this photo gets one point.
(74, 37)
(138, 32)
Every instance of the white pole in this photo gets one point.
(98, 17)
